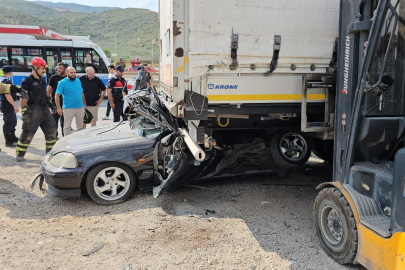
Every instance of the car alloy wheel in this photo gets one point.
(293, 146)
(110, 183)
(290, 148)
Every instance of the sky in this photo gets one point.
(148, 4)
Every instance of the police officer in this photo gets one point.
(35, 112)
(9, 109)
(12, 89)
(115, 88)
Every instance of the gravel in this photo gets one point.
(266, 227)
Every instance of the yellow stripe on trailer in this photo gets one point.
(265, 97)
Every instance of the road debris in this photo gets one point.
(293, 261)
(96, 247)
(207, 211)
(150, 231)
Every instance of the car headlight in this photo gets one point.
(64, 160)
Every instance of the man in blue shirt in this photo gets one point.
(74, 102)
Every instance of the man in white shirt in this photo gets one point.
(111, 71)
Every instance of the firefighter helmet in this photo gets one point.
(38, 62)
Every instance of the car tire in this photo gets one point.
(290, 148)
(336, 226)
(110, 183)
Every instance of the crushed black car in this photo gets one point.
(149, 151)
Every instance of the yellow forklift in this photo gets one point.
(360, 216)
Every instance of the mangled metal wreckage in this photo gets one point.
(177, 159)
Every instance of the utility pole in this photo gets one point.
(116, 46)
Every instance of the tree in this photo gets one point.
(107, 53)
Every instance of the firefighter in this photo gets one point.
(12, 89)
(35, 112)
(9, 109)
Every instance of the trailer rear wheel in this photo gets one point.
(290, 148)
(336, 225)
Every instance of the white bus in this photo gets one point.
(79, 54)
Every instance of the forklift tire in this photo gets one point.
(336, 226)
(323, 150)
(290, 148)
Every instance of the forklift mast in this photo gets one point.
(370, 98)
(354, 28)
(370, 82)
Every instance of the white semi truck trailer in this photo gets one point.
(244, 68)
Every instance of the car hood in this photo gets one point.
(102, 137)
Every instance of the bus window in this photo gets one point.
(98, 63)
(80, 61)
(3, 56)
(52, 61)
(89, 58)
(21, 58)
(66, 55)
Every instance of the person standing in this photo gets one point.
(133, 65)
(137, 62)
(115, 88)
(121, 63)
(111, 73)
(149, 77)
(9, 109)
(51, 90)
(92, 87)
(35, 112)
(74, 102)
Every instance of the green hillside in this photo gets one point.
(75, 7)
(134, 28)
(30, 8)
